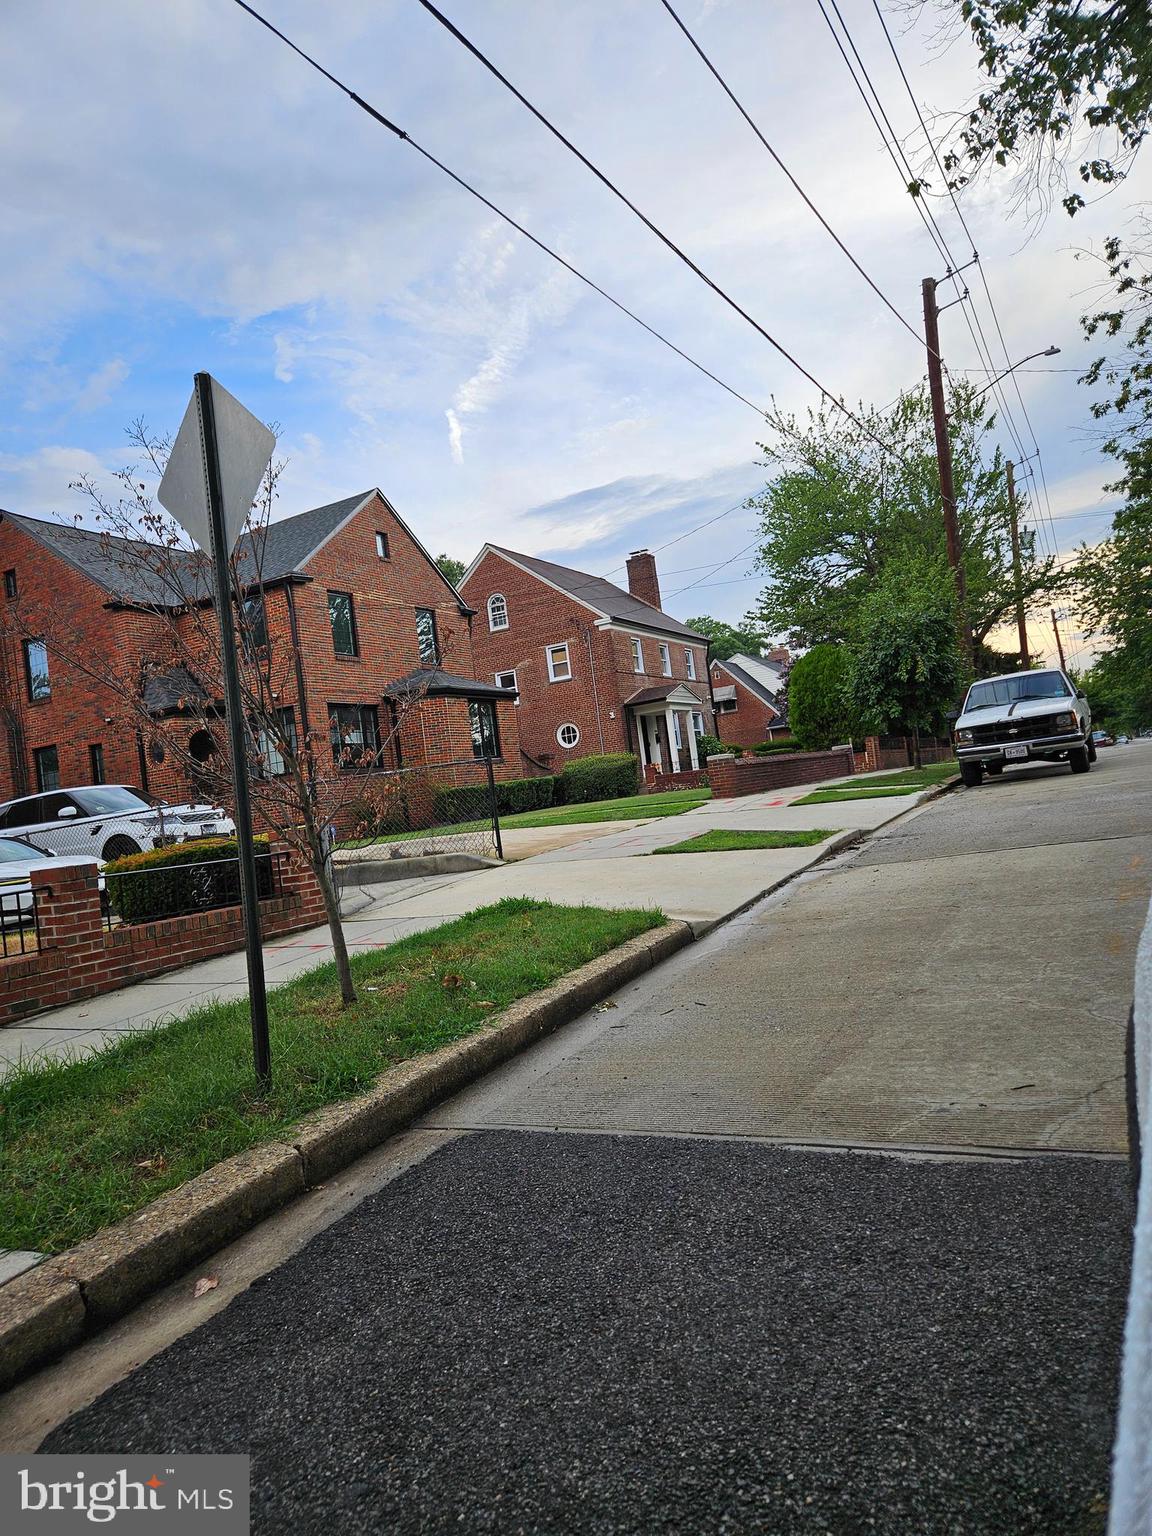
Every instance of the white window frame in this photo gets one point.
(508, 672)
(690, 662)
(698, 715)
(567, 726)
(677, 732)
(637, 654)
(566, 677)
(382, 552)
(497, 597)
(666, 661)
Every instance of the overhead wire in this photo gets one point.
(460, 181)
(648, 223)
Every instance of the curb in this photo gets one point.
(46, 1310)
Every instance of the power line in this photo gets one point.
(740, 553)
(648, 223)
(727, 89)
(385, 122)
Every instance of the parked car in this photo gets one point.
(1021, 717)
(1122, 740)
(108, 821)
(17, 861)
(1102, 739)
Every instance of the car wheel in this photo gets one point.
(994, 768)
(1079, 760)
(120, 847)
(971, 774)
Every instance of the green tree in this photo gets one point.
(907, 669)
(451, 567)
(728, 640)
(819, 697)
(843, 508)
(1068, 82)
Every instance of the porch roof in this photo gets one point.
(664, 693)
(433, 683)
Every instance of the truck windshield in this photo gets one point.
(1007, 690)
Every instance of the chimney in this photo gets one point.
(642, 579)
(778, 656)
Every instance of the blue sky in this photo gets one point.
(187, 194)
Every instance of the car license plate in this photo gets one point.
(1012, 752)
(207, 828)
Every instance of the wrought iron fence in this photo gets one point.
(177, 889)
(19, 921)
(412, 812)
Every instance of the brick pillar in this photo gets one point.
(297, 881)
(68, 908)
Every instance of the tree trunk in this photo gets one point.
(916, 747)
(323, 872)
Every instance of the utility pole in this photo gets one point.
(944, 456)
(1059, 642)
(1021, 627)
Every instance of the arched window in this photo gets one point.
(497, 611)
(568, 735)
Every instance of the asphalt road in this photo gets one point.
(641, 1317)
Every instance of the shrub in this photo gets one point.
(469, 802)
(820, 709)
(610, 777)
(781, 744)
(525, 795)
(164, 882)
(709, 746)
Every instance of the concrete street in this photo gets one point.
(823, 1227)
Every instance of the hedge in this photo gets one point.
(610, 777)
(165, 882)
(469, 802)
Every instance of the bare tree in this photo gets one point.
(303, 782)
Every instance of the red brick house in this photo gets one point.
(745, 690)
(361, 613)
(597, 669)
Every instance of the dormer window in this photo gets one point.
(497, 611)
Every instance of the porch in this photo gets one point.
(665, 721)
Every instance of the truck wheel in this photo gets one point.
(120, 847)
(1079, 759)
(971, 775)
(994, 768)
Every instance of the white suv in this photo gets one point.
(108, 821)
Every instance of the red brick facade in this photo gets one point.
(82, 713)
(751, 722)
(601, 665)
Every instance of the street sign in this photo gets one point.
(245, 447)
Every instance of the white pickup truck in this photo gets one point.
(1022, 717)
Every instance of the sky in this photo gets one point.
(181, 192)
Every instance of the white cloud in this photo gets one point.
(99, 387)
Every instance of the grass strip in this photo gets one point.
(87, 1142)
(630, 808)
(922, 778)
(837, 796)
(733, 842)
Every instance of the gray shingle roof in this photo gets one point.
(172, 690)
(126, 571)
(432, 683)
(746, 680)
(610, 600)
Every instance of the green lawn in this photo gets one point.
(631, 808)
(922, 778)
(838, 796)
(733, 842)
(88, 1142)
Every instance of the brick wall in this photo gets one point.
(603, 674)
(78, 958)
(889, 752)
(730, 776)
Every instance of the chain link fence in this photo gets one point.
(415, 814)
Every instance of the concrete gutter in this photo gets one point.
(48, 1309)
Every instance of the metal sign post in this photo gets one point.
(208, 487)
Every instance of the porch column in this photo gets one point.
(669, 726)
(693, 755)
(641, 738)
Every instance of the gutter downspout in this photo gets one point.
(595, 690)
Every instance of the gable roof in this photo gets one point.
(121, 566)
(745, 671)
(603, 597)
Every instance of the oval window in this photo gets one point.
(567, 735)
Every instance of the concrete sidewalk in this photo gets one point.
(606, 868)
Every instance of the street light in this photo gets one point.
(1048, 352)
